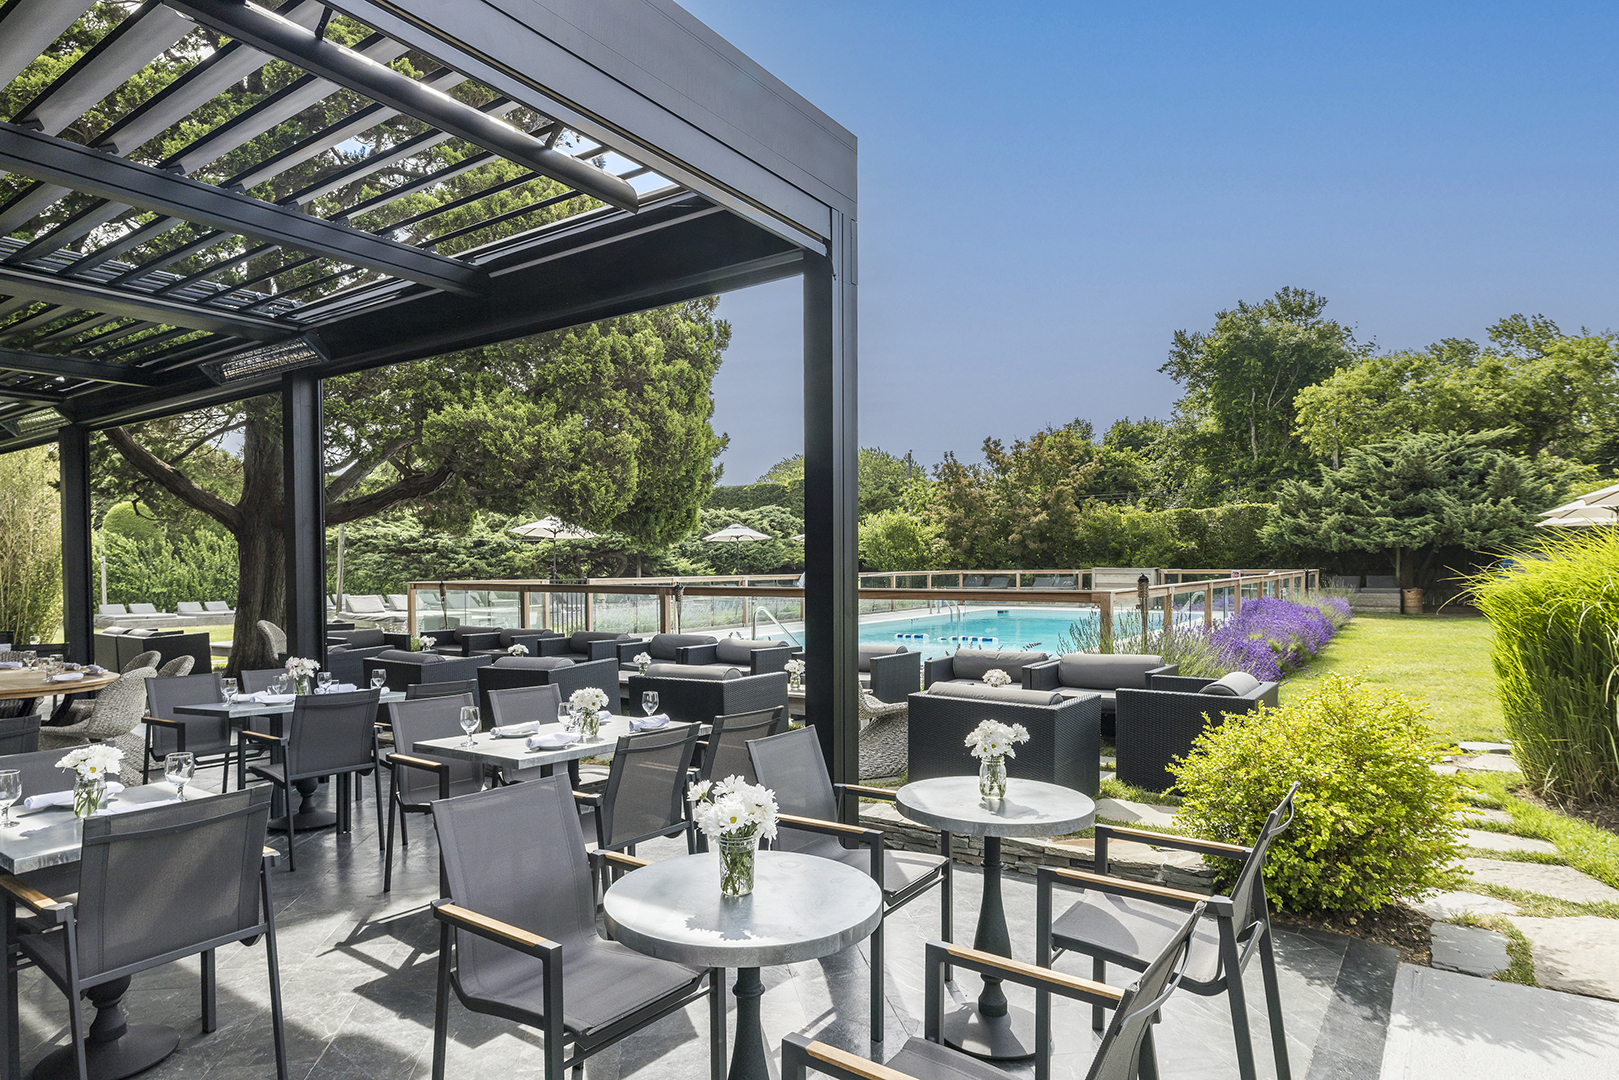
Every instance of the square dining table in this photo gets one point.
(512, 756)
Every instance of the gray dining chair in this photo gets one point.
(206, 737)
(645, 796)
(111, 716)
(791, 765)
(418, 776)
(518, 936)
(447, 688)
(524, 704)
(326, 735)
(1125, 1053)
(259, 679)
(158, 860)
(725, 753)
(149, 658)
(1123, 922)
(19, 734)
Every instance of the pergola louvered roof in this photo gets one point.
(201, 194)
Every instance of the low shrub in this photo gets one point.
(1374, 823)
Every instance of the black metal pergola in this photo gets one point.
(137, 283)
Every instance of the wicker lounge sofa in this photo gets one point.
(510, 672)
(405, 669)
(698, 698)
(747, 657)
(1099, 673)
(1158, 724)
(1065, 737)
(967, 666)
(667, 649)
(584, 645)
(890, 672)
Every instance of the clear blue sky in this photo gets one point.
(1049, 190)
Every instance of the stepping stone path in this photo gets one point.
(1483, 813)
(1495, 841)
(1579, 954)
(1485, 747)
(1469, 949)
(1445, 906)
(1135, 813)
(1487, 763)
(1560, 882)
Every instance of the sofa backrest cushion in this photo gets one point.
(408, 657)
(715, 672)
(996, 693)
(580, 641)
(734, 650)
(1106, 671)
(870, 649)
(363, 639)
(1236, 684)
(663, 646)
(537, 663)
(462, 632)
(972, 663)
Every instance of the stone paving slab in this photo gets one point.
(1469, 949)
(1445, 906)
(1448, 1025)
(1579, 954)
(1488, 763)
(1486, 747)
(1496, 841)
(1484, 813)
(1561, 882)
(1134, 812)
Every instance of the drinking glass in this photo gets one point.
(10, 792)
(379, 679)
(31, 659)
(227, 690)
(324, 681)
(280, 684)
(568, 716)
(179, 768)
(469, 722)
(649, 701)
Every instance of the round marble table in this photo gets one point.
(993, 1029)
(801, 908)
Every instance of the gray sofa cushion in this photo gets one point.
(972, 663)
(716, 672)
(957, 688)
(867, 651)
(536, 663)
(580, 641)
(1106, 671)
(363, 639)
(1236, 684)
(663, 646)
(408, 657)
(1109, 698)
(733, 650)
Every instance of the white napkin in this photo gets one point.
(124, 808)
(63, 798)
(512, 731)
(264, 697)
(11, 663)
(656, 720)
(552, 740)
(95, 669)
(68, 676)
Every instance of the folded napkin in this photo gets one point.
(68, 676)
(552, 740)
(124, 808)
(338, 688)
(656, 720)
(264, 697)
(95, 669)
(512, 731)
(11, 663)
(63, 798)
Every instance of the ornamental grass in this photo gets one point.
(1555, 613)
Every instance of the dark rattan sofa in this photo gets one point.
(509, 672)
(409, 668)
(1065, 739)
(1158, 724)
(698, 700)
(890, 672)
(1098, 673)
(968, 666)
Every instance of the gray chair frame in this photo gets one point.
(449, 688)
(821, 818)
(207, 737)
(408, 768)
(1242, 921)
(627, 770)
(19, 734)
(545, 800)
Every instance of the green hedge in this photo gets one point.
(790, 497)
(154, 571)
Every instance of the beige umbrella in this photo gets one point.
(552, 529)
(735, 534)
(1600, 507)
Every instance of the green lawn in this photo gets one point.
(1445, 660)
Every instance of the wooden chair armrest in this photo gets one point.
(830, 828)
(161, 722)
(494, 930)
(263, 736)
(425, 764)
(865, 791)
(589, 798)
(1009, 970)
(628, 862)
(851, 1064)
(270, 853)
(33, 899)
(1183, 843)
(1161, 894)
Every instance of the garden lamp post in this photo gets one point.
(1142, 583)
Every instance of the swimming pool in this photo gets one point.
(942, 633)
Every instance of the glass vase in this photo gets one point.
(305, 685)
(795, 681)
(590, 724)
(992, 780)
(88, 796)
(738, 853)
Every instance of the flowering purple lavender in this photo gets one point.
(1270, 638)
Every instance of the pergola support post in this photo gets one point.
(78, 611)
(831, 452)
(304, 519)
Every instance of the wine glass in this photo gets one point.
(649, 701)
(379, 679)
(568, 716)
(10, 792)
(280, 684)
(30, 659)
(469, 722)
(324, 682)
(179, 767)
(227, 690)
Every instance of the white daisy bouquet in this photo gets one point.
(300, 668)
(517, 650)
(733, 808)
(641, 661)
(588, 697)
(992, 739)
(795, 667)
(98, 761)
(426, 642)
(996, 677)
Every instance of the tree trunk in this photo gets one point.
(261, 557)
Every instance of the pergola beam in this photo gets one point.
(296, 45)
(88, 296)
(118, 179)
(72, 367)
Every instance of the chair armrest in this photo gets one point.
(697, 654)
(880, 793)
(587, 798)
(627, 862)
(470, 643)
(936, 669)
(1184, 684)
(425, 764)
(606, 649)
(33, 899)
(831, 828)
(1167, 669)
(769, 661)
(1181, 843)
(173, 725)
(800, 1050)
(494, 930)
(553, 646)
(626, 650)
(895, 676)
(1016, 971)
(1158, 894)
(263, 736)
(1041, 676)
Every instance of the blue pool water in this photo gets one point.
(940, 634)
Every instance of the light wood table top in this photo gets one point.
(22, 683)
